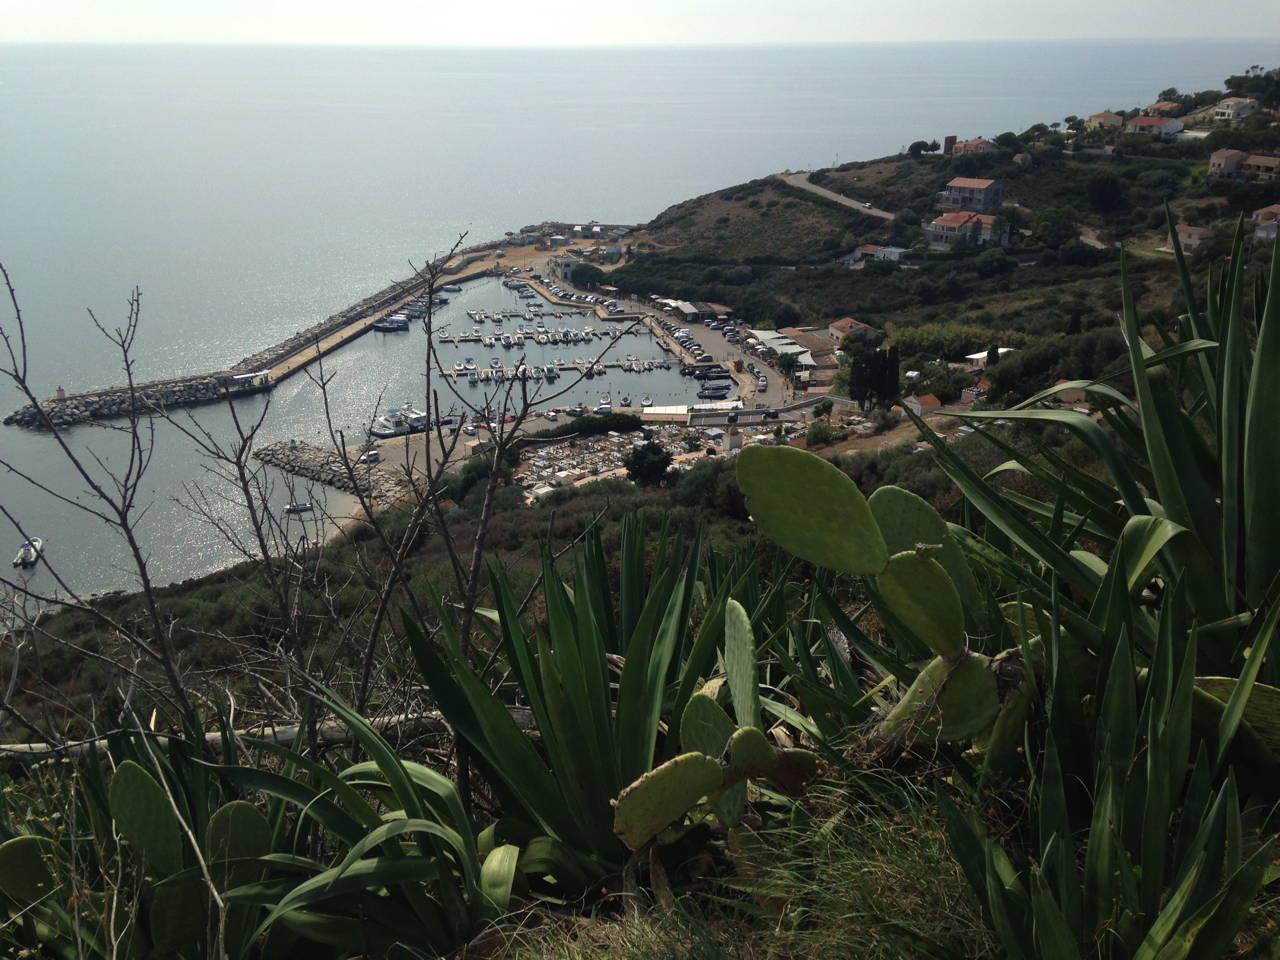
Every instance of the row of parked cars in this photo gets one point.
(731, 335)
(610, 306)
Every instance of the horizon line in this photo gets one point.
(637, 44)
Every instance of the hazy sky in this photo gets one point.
(550, 22)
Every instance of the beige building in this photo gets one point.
(1106, 120)
(1191, 237)
(1243, 166)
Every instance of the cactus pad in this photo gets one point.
(921, 595)
(809, 507)
(664, 795)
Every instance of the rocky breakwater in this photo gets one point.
(144, 398)
(382, 486)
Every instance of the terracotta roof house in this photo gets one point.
(1162, 128)
(1163, 108)
(976, 145)
(921, 405)
(1106, 120)
(845, 326)
(978, 228)
(971, 193)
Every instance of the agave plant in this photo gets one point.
(1152, 855)
(163, 858)
(602, 681)
(1194, 446)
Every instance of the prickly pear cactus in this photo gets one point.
(25, 877)
(146, 819)
(663, 795)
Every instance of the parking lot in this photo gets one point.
(726, 353)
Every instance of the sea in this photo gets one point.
(248, 192)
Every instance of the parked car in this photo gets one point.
(369, 456)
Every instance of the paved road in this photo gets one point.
(802, 181)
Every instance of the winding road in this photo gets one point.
(802, 181)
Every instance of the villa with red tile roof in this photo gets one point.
(847, 325)
(977, 228)
(976, 145)
(971, 193)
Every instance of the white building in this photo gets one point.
(1234, 109)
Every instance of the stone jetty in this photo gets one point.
(250, 375)
(382, 485)
(152, 397)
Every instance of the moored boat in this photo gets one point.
(29, 553)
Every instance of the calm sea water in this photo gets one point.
(251, 191)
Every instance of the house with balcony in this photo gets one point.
(1233, 109)
(971, 193)
(1239, 165)
(1161, 128)
(979, 229)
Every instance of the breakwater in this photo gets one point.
(381, 485)
(256, 373)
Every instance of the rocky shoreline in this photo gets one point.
(382, 486)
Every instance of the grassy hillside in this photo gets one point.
(764, 219)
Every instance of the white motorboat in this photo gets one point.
(451, 288)
(459, 367)
(646, 401)
(294, 509)
(29, 553)
(470, 363)
(393, 423)
(506, 340)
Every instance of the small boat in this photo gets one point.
(518, 339)
(541, 338)
(396, 323)
(495, 363)
(475, 331)
(296, 508)
(459, 367)
(472, 377)
(488, 341)
(451, 288)
(646, 401)
(506, 340)
(29, 553)
(626, 401)
(470, 363)
(551, 371)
